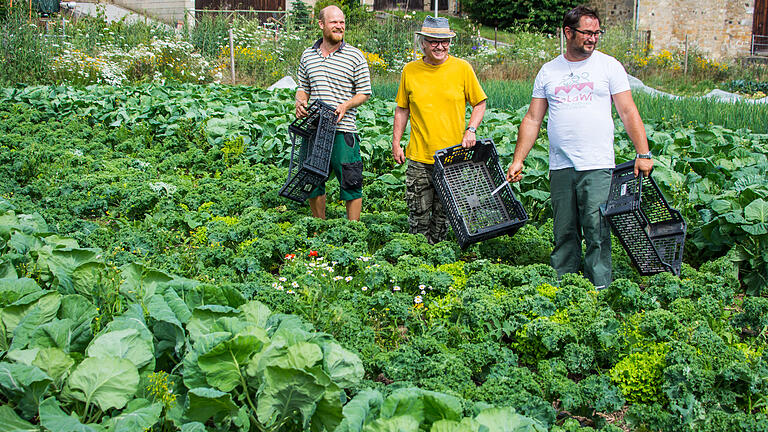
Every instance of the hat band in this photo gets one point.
(437, 30)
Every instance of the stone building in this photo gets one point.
(719, 28)
(448, 6)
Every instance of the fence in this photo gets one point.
(759, 45)
(276, 17)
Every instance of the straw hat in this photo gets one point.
(436, 27)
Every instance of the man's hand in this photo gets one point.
(301, 108)
(397, 153)
(515, 172)
(469, 139)
(644, 166)
(341, 110)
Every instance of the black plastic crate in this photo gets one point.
(312, 136)
(652, 233)
(464, 180)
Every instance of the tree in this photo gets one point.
(544, 15)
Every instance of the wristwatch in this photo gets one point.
(471, 129)
(644, 155)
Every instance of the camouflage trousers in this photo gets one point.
(425, 211)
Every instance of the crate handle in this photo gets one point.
(640, 176)
(293, 149)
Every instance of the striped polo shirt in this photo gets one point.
(335, 79)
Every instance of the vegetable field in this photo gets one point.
(151, 278)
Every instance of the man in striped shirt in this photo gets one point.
(337, 74)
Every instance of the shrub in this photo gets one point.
(546, 15)
(354, 13)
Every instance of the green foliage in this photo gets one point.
(508, 391)
(659, 325)
(754, 315)
(26, 54)
(527, 246)
(416, 409)
(579, 358)
(354, 13)
(392, 39)
(301, 13)
(163, 230)
(208, 34)
(417, 246)
(546, 16)
(626, 297)
(685, 113)
(424, 362)
(747, 86)
(638, 375)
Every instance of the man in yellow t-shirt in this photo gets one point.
(433, 93)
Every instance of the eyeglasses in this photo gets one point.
(588, 33)
(434, 43)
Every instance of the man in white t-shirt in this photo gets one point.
(577, 89)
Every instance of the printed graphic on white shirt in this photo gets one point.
(574, 89)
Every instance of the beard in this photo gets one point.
(587, 49)
(582, 51)
(334, 36)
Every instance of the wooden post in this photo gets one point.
(232, 55)
(495, 29)
(562, 35)
(685, 66)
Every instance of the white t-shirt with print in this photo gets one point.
(580, 126)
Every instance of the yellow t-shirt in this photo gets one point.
(437, 97)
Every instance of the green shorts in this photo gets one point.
(346, 165)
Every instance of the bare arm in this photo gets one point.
(526, 137)
(478, 111)
(398, 129)
(354, 102)
(629, 115)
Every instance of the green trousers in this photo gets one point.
(346, 165)
(576, 199)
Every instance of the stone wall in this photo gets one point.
(168, 11)
(614, 12)
(719, 28)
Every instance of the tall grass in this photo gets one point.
(511, 95)
(24, 52)
(679, 112)
(209, 34)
